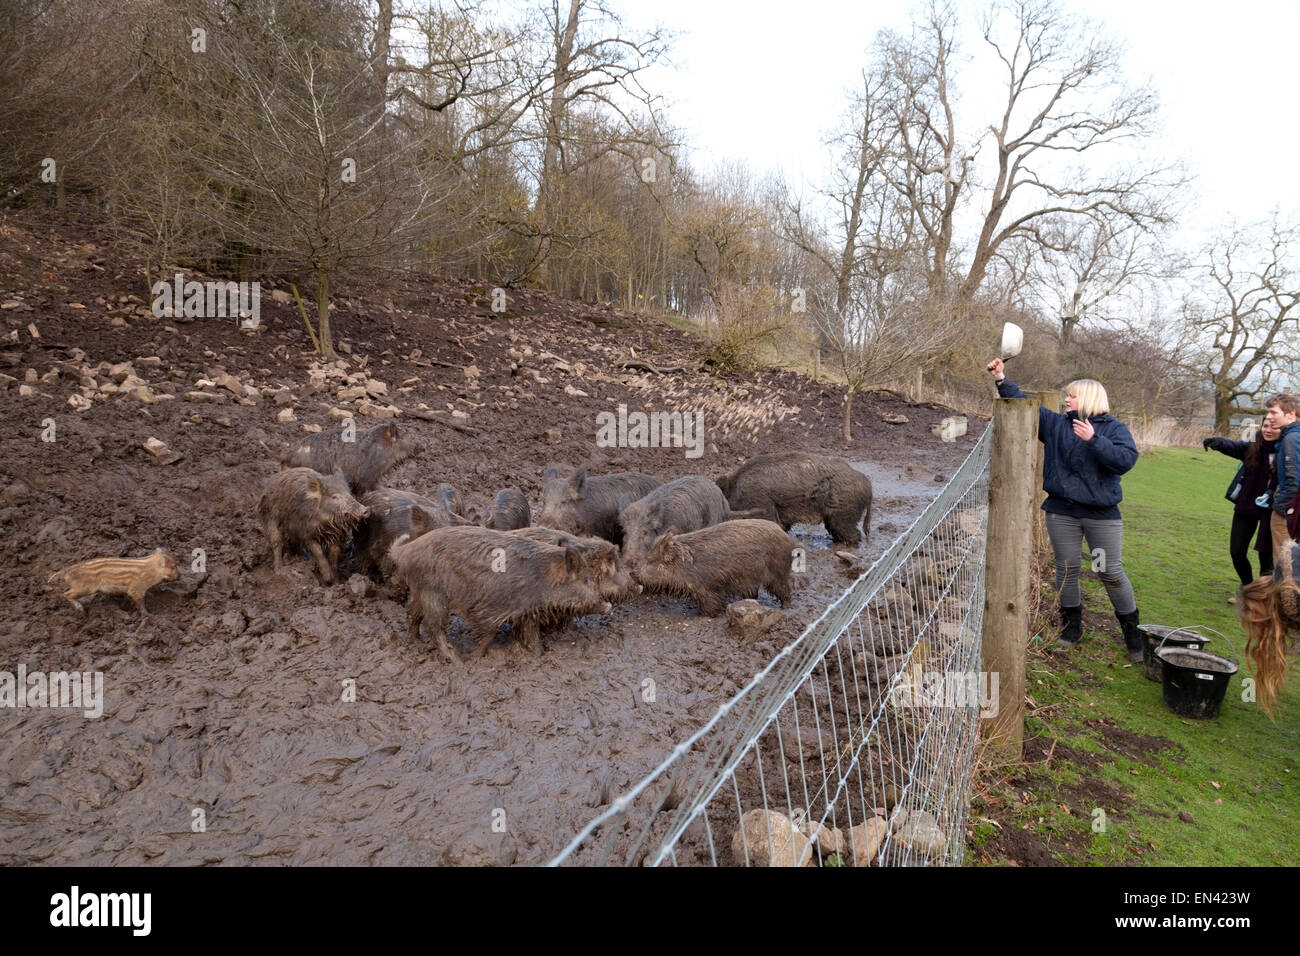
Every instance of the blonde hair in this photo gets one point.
(1262, 606)
(1091, 395)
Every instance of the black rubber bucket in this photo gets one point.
(1156, 635)
(1195, 681)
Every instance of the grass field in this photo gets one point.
(1173, 791)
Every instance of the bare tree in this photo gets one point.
(1081, 268)
(592, 64)
(1246, 320)
(1063, 97)
(308, 174)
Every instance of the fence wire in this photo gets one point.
(854, 746)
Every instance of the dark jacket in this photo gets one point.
(1086, 473)
(1254, 481)
(1288, 468)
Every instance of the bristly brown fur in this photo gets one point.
(130, 576)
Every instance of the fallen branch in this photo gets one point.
(640, 366)
(432, 417)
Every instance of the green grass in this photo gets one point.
(1238, 776)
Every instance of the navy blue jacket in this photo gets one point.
(1086, 473)
(1288, 468)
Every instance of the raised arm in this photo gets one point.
(1226, 446)
(1009, 389)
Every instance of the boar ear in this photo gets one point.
(572, 562)
(314, 486)
(388, 433)
(578, 483)
(550, 472)
(472, 514)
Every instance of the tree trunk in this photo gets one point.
(323, 313)
(848, 414)
(565, 36)
(379, 67)
(1222, 414)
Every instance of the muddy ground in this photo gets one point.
(225, 736)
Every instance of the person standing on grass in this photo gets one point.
(1084, 453)
(1253, 484)
(1282, 412)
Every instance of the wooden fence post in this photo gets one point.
(1050, 400)
(1008, 553)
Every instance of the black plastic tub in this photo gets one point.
(1154, 634)
(1195, 681)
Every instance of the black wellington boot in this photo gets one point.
(1132, 636)
(1072, 618)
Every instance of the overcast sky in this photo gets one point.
(760, 81)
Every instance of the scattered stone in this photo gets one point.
(282, 395)
(575, 392)
(827, 839)
(554, 435)
(340, 414)
(848, 557)
(386, 411)
(26, 391)
(230, 384)
(160, 451)
(215, 398)
(752, 618)
(894, 419)
(79, 403)
(768, 838)
(920, 831)
(280, 296)
(141, 393)
(865, 840)
(286, 415)
(360, 585)
(352, 393)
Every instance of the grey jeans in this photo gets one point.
(1106, 542)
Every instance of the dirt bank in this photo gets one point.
(227, 705)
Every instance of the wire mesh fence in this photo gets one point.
(854, 746)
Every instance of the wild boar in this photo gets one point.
(303, 508)
(731, 559)
(684, 504)
(508, 511)
(363, 460)
(590, 506)
(801, 488)
(489, 578)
